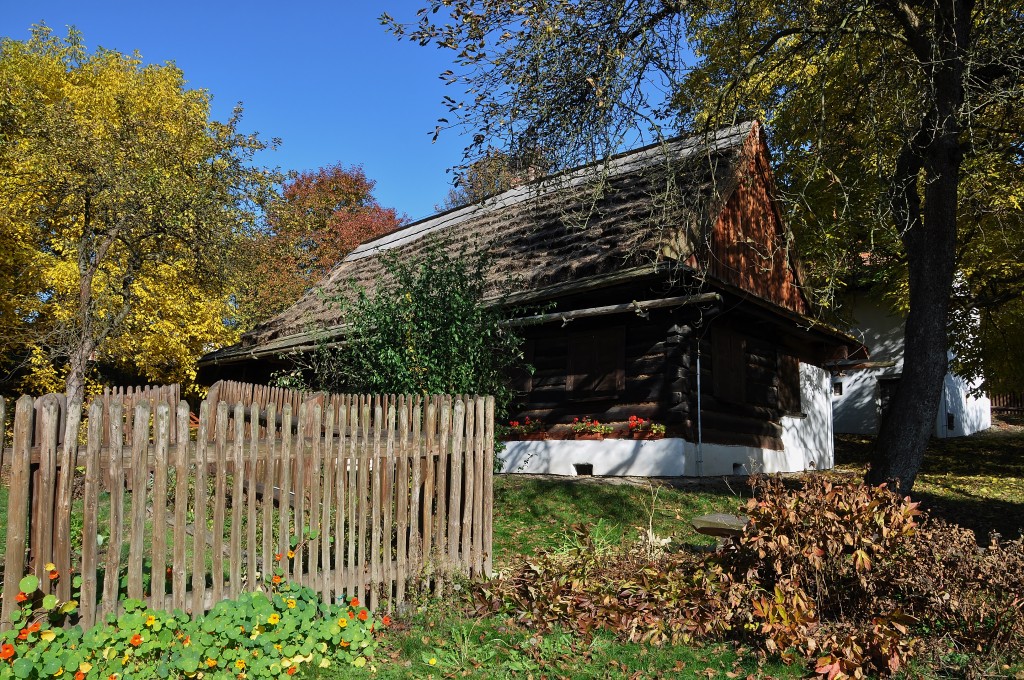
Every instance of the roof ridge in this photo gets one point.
(680, 148)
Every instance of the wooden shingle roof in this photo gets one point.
(623, 214)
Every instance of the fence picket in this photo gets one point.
(237, 489)
(41, 521)
(402, 497)
(158, 585)
(199, 541)
(325, 584)
(181, 457)
(17, 505)
(284, 499)
(394, 490)
(90, 512)
(251, 475)
(269, 484)
(62, 512)
(220, 489)
(115, 487)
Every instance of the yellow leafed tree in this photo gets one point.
(121, 203)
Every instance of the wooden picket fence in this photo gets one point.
(1008, 402)
(378, 497)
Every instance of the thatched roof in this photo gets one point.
(623, 214)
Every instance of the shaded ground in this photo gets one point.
(976, 481)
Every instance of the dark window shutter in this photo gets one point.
(789, 384)
(597, 362)
(729, 366)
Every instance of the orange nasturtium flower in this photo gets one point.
(211, 663)
(354, 602)
(276, 579)
(362, 615)
(386, 620)
(6, 651)
(34, 627)
(291, 670)
(20, 597)
(278, 556)
(136, 640)
(79, 675)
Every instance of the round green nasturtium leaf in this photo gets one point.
(49, 602)
(189, 664)
(28, 584)
(23, 667)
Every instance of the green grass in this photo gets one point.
(538, 513)
(494, 648)
(976, 482)
(532, 514)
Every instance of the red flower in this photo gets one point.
(291, 670)
(362, 615)
(354, 602)
(6, 651)
(34, 627)
(278, 556)
(23, 634)
(79, 675)
(20, 597)
(386, 620)
(54, 574)
(276, 579)
(136, 640)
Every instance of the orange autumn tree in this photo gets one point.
(319, 217)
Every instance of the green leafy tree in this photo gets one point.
(122, 203)
(425, 329)
(896, 126)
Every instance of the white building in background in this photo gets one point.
(860, 396)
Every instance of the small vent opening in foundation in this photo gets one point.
(584, 469)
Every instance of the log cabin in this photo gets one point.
(670, 291)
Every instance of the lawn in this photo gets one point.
(538, 513)
(976, 481)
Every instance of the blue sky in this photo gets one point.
(322, 76)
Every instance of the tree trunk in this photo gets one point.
(930, 245)
(78, 364)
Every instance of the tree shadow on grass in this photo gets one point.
(976, 482)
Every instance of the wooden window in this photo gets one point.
(728, 366)
(789, 384)
(597, 362)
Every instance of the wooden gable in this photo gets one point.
(749, 244)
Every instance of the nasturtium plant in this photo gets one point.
(264, 634)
